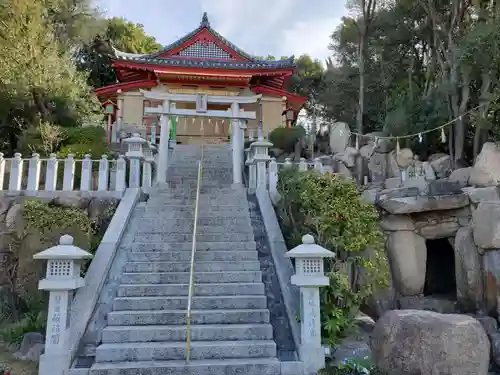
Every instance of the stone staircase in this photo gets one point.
(231, 331)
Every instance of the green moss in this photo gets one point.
(46, 218)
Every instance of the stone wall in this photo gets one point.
(463, 208)
(19, 240)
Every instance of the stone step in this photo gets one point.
(202, 203)
(178, 317)
(185, 237)
(193, 184)
(200, 246)
(161, 351)
(200, 230)
(239, 366)
(202, 256)
(161, 189)
(202, 222)
(186, 266)
(225, 289)
(198, 303)
(199, 277)
(207, 332)
(191, 194)
(187, 212)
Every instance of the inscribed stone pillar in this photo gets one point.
(237, 144)
(164, 138)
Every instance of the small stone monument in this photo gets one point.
(64, 263)
(310, 276)
(340, 133)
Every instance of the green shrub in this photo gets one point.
(79, 150)
(286, 138)
(86, 135)
(34, 321)
(330, 209)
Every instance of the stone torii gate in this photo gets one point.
(234, 113)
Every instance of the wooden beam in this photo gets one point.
(191, 98)
(244, 115)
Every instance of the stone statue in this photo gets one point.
(340, 133)
(379, 158)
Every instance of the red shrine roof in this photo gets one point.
(205, 56)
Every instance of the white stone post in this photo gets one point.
(121, 170)
(310, 276)
(114, 132)
(261, 157)
(147, 174)
(153, 134)
(163, 153)
(64, 263)
(86, 177)
(2, 170)
(252, 170)
(135, 154)
(102, 185)
(34, 173)
(69, 173)
(288, 163)
(273, 181)
(16, 172)
(302, 165)
(318, 165)
(237, 145)
(112, 175)
(51, 173)
(119, 117)
(251, 135)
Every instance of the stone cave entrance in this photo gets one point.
(440, 278)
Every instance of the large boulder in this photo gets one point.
(416, 342)
(486, 225)
(468, 270)
(486, 169)
(407, 256)
(441, 166)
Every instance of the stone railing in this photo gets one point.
(38, 176)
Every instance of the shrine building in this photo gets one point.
(202, 62)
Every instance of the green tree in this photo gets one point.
(120, 34)
(38, 81)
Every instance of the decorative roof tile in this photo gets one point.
(212, 56)
(221, 64)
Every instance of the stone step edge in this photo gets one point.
(154, 298)
(194, 311)
(182, 363)
(181, 327)
(173, 344)
(186, 285)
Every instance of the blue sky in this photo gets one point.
(259, 27)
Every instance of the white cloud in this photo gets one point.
(311, 38)
(259, 27)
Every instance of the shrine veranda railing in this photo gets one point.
(35, 175)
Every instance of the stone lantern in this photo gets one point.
(260, 151)
(309, 277)
(64, 263)
(135, 146)
(135, 153)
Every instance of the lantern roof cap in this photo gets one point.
(64, 251)
(136, 138)
(261, 143)
(309, 249)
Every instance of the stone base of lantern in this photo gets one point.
(313, 358)
(54, 364)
